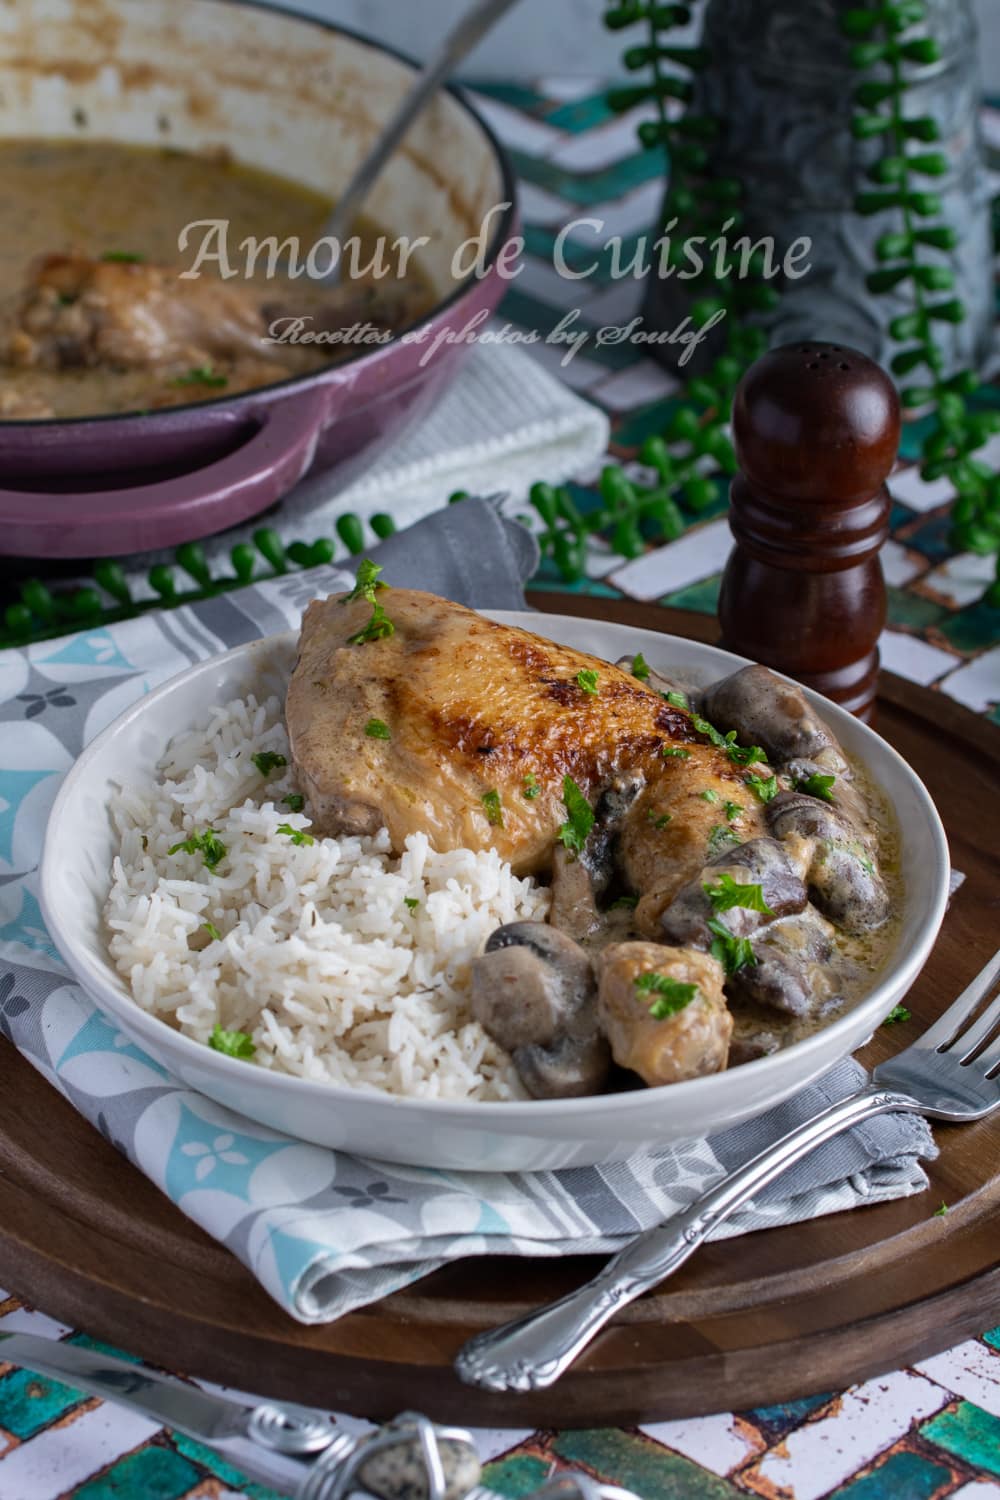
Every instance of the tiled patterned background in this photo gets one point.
(917, 1434)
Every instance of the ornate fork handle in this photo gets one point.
(532, 1352)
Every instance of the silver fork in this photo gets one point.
(952, 1072)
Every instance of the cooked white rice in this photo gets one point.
(319, 958)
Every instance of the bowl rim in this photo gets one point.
(99, 980)
(502, 232)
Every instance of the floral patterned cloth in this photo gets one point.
(324, 1232)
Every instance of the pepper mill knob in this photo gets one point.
(816, 430)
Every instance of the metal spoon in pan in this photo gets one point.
(460, 40)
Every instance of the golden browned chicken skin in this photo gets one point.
(473, 709)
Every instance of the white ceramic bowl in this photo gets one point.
(75, 876)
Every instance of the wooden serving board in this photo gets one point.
(768, 1317)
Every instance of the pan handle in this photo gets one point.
(111, 523)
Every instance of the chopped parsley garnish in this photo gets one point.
(721, 838)
(897, 1014)
(297, 835)
(295, 801)
(677, 699)
(378, 628)
(203, 375)
(725, 893)
(732, 952)
(732, 809)
(659, 820)
(366, 584)
(232, 1043)
(674, 752)
(411, 902)
(123, 257)
(378, 729)
(737, 754)
(672, 995)
(267, 761)
(709, 796)
(586, 681)
(530, 788)
(212, 931)
(764, 788)
(817, 785)
(574, 832)
(628, 903)
(640, 667)
(493, 809)
(207, 844)
(939, 1213)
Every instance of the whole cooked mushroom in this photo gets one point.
(792, 969)
(759, 863)
(838, 865)
(663, 1011)
(534, 992)
(767, 711)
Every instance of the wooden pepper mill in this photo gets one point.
(816, 430)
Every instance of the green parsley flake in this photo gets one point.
(366, 582)
(674, 752)
(939, 1213)
(709, 796)
(640, 667)
(725, 893)
(493, 808)
(232, 1043)
(203, 375)
(678, 700)
(897, 1014)
(267, 761)
(721, 837)
(411, 902)
(672, 995)
(628, 903)
(732, 809)
(123, 257)
(658, 820)
(737, 753)
(295, 801)
(212, 931)
(379, 627)
(764, 788)
(297, 835)
(731, 952)
(207, 844)
(530, 788)
(586, 681)
(574, 832)
(817, 785)
(377, 729)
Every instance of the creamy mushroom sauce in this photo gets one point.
(858, 961)
(102, 199)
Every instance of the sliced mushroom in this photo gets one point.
(793, 971)
(533, 991)
(573, 910)
(684, 1042)
(762, 862)
(767, 711)
(839, 867)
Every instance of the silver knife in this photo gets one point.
(296, 1450)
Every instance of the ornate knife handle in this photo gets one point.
(532, 1352)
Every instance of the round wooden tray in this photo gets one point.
(765, 1318)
